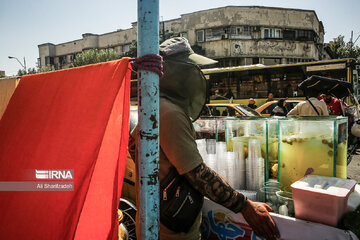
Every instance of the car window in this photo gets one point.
(269, 109)
(290, 105)
(215, 111)
(206, 111)
(247, 111)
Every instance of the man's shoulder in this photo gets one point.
(171, 112)
(166, 106)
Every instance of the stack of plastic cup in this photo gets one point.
(220, 152)
(210, 161)
(221, 159)
(211, 146)
(231, 169)
(238, 148)
(255, 166)
(201, 145)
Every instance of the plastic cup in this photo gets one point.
(285, 198)
(211, 146)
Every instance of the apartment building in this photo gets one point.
(233, 35)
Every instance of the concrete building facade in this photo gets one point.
(233, 35)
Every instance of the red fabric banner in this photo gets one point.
(63, 128)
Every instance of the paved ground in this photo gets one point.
(353, 169)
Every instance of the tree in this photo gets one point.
(340, 49)
(46, 68)
(21, 72)
(29, 71)
(132, 51)
(94, 56)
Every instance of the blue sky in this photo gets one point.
(24, 24)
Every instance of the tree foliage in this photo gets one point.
(342, 49)
(34, 70)
(46, 68)
(133, 50)
(95, 56)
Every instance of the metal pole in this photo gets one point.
(148, 110)
(24, 65)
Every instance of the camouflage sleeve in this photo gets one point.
(211, 185)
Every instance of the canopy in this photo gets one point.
(331, 86)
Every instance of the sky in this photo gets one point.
(25, 24)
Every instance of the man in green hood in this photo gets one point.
(183, 93)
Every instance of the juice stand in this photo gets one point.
(248, 158)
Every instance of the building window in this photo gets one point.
(272, 33)
(62, 60)
(184, 35)
(289, 34)
(72, 57)
(266, 33)
(200, 36)
(126, 48)
(305, 35)
(49, 60)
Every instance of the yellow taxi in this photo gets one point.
(266, 108)
(227, 109)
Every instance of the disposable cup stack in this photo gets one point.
(201, 145)
(220, 158)
(238, 148)
(255, 167)
(210, 161)
(231, 170)
(211, 146)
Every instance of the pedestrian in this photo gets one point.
(270, 97)
(311, 107)
(252, 103)
(182, 97)
(333, 104)
(280, 109)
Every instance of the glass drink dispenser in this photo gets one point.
(311, 144)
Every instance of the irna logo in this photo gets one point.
(54, 174)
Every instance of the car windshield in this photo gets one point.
(247, 111)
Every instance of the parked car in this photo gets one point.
(227, 109)
(266, 108)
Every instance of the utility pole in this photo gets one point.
(23, 65)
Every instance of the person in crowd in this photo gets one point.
(182, 96)
(311, 107)
(270, 97)
(333, 104)
(252, 103)
(280, 109)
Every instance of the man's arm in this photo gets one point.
(211, 185)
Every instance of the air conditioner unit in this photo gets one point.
(357, 66)
(256, 29)
(225, 36)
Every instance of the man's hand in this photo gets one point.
(259, 219)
